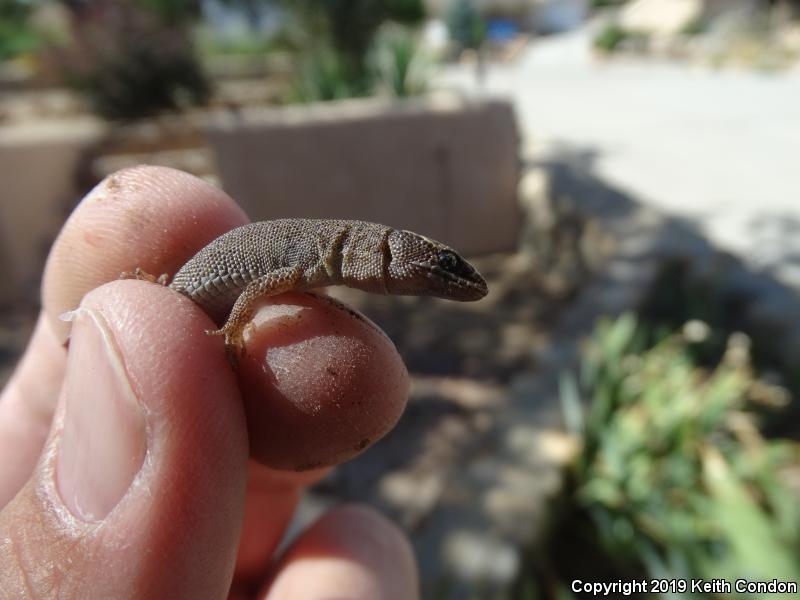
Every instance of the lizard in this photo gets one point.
(228, 276)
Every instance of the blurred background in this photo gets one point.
(624, 404)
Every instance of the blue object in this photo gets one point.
(501, 30)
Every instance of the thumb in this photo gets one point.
(140, 490)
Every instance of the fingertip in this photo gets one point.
(351, 549)
(320, 385)
(154, 218)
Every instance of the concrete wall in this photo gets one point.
(444, 167)
(37, 172)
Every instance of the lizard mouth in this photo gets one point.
(473, 288)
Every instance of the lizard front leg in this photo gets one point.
(143, 275)
(272, 284)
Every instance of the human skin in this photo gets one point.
(133, 463)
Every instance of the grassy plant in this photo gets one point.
(397, 63)
(611, 37)
(245, 44)
(17, 36)
(465, 24)
(605, 3)
(396, 67)
(326, 75)
(694, 27)
(15, 42)
(674, 475)
(333, 41)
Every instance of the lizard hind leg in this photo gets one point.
(272, 284)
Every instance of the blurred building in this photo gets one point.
(538, 15)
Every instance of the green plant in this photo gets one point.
(673, 474)
(133, 60)
(326, 75)
(397, 63)
(17, 35)
(143, 79)
(605, 3)
(611, 37)
(465, 24)
(694, 27)
(238, 44)
(174, 12)
(332, 40)
(352, 24)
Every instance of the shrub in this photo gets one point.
(673, 473)
(465, 24)
(325, 75)
(605, 3)
(17, 36)
(133, 60)
(333, 41)
(694, 27)
(611, 37)
(141, 79)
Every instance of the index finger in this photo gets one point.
(149, 217)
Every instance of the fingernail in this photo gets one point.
(103, 442)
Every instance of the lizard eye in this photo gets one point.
(447, 260)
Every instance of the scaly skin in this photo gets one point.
(272, 257)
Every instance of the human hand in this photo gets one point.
(126, 469)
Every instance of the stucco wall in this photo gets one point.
(37, 171)
(444, 167)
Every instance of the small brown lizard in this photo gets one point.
(272, 257)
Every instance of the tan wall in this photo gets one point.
(37, 168)
(444, 167)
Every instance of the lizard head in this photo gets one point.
(419, 266)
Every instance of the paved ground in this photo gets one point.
(721, 149)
